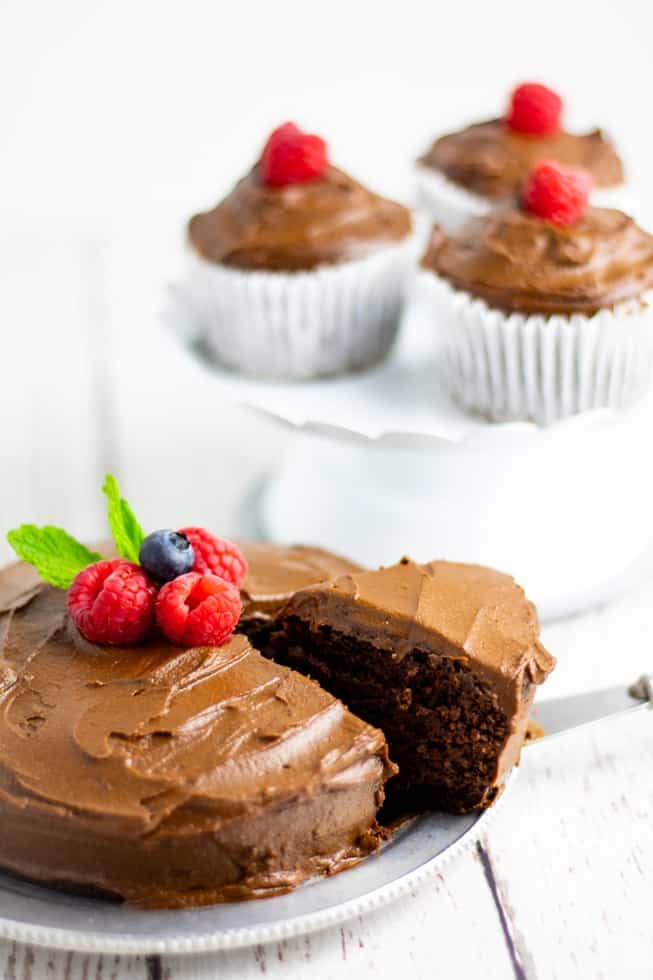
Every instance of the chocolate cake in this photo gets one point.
(171, 776)
(275, 573)
(444, 657)
(174, 776)
(493, 161)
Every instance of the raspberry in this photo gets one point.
(213, 554)
(291, 156)
(556, 193)
(112, 602)
(198, 609)
(534, 109)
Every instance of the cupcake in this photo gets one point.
(300, 271)
(543, 305)
(466, 173)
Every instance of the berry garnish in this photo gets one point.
(556, 193)
(166, 554)
(198, 609)
(112, 602)
(213, 554)
(534, 109)
(292, 156)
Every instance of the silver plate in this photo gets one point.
(29, 913)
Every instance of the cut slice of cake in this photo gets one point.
(445, 658)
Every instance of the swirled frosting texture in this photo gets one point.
(276, 572)
(491, 160)
(171, 776)
(299, 226)
(517, 262)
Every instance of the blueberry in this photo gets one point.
(166, 554)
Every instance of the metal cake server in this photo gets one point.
(560, 715)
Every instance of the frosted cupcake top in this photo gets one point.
(493, 160)
(518, 262)
(298, 226)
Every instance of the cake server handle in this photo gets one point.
(560, 715)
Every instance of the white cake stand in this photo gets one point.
(384, 464)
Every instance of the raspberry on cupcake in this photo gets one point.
(535, 110)
(300, 271)
(291, 156)
(544, 303)
(556, 193)
(465, 173)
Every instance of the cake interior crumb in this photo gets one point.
(444, 727)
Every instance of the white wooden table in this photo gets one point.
(561, 885)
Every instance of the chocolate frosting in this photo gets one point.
(299, 226)
(492, 160)
(171, 776)
(466, 612)
(517, 262)
(276, 572)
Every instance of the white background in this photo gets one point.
(162, 103)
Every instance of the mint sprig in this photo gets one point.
(127, 533)
(59, 558)
(56, 556)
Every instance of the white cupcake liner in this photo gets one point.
(509, 367)
(450, 205)
(330, 320)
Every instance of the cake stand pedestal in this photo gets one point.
(383, 464)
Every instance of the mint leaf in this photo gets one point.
(127, 532)
(56, 556)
